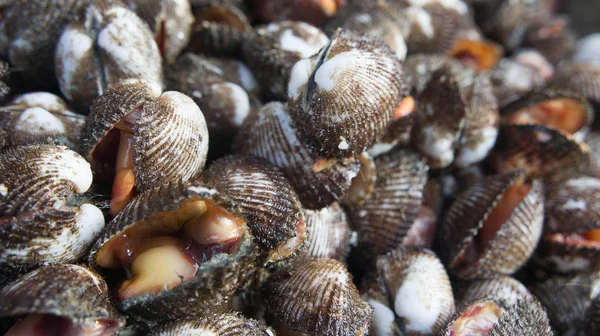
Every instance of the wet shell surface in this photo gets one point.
(266, 200)
(272, 135)
(420, 68)
(493, 227)
(343, 97)
(512, 80)
(216, 324)
(409, 285)
(317, 297)
(501, 287)
(580, 77)
(328, 233)
(40, 117)
(63, 299)
(554, 39)
(315, 12)
(42, 218)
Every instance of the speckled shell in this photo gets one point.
(216, 279)
(433, 28)
(170, 135)
(415, 289)
(170, 21)
(216, 324)
(267, 202)
(512, 80)
(363, 184)
(592, 315)
(397, 134)
(239, 73)
(500, 287)
(421, 67)
(272, 51)
(42, 220)
(552, 38)
(593, 141)
(224, 104)
(384, 220)
(342, 98)
(328, 233)
(64, 290)
(4, 73)
(105, 45)
(318, 297)
(40, 117)
(580, 77)
(514, 242)
(271, 134)
(314, 12)
(539, 150)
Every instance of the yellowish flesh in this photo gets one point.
(565, 114)
(477, 321)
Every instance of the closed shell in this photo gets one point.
(553, 38)
(328, 233)
(315, 12)
(501, 287)
(215, 324)
(316, 296)
(580, 77)
(420, 68)
(342, 98)
(512, 80)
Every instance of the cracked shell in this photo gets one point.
(221, 324)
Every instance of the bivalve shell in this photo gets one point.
(501, 287)
(216, 324)
(315, 12)
(328, 233)
(580, 77)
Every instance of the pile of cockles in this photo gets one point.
(298, 167)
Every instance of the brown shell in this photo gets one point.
(383, 221)
(328, 233)
(553, 38)
(266, 200)
(433, 28)
(573, 205)
(170, 135)
(593, 142)
(592, 315)
(510, 246)
(4, 73)
(500, 287)
(69, 291)
(40, 117)
(539, 150)
(314, 12)
(318, 297)
(512, 80)
(221, 324)
(239, 73)
(580, 77)
(272, 51)
(421, 67)
(216, 279)
(363, 184)
(271, 134)
(42, 218)
(412, 283)
(330, 102)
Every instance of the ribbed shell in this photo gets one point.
(237, 72)
(4, 72)
(42, 220)
(416, 288)
(500, 287)
(311, 11)
(328, 233)
(397, 133)
(342, 98)
(216, 279)
(40, 117)
(363, 184)
(266, 201)
(433, 28)
(318, 297)
(514, 242)
(512, 80)
(385, 218)
(557, 44)
(583, 78)
(592, 316)
(573, 205)
(421, 67)
(593, 141)
(216, 324)
(271, 135)
(540, 151)
(64, 290)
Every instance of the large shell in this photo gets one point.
(415, 289)
(580, 77)
(385, 219)
(513, 79)
(316, 296)
(267, 202)
(271, 135)
(315, 12)
(68, 292)
(107, 44)
(473, 249)
(328, 233)
(421, 67)
(342, 98)
(553, 38)
(501, 287)
(42, 220)
(272, 51)
(217, 324)
(40, 117)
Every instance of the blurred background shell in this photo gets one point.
(218, 324)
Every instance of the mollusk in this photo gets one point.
(329, 233)
(221, 324)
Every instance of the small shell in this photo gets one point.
(342, 98)
(40, 117)
(239, 73)
(421, 67)
(4, 72)
(592, 316)
(221, 324)
(512, 80)
(580, 77)
(433, 28)
(493, 227)
(553, 38)
(42, 220)
(272, 51)
(271, 134)
(315, 12)
(317, 297)
(60, 294)
(266, 200)
(363, 184)
(501, 287)
(328, 233)
(411, 285)
(593, 141)
(539, 150)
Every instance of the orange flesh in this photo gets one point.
(329, 6)
(291, 245)
(123, 188)
(404, 108)
(478, 55)
(478, 320)
(52, 325)
(563, 113)
(322, 164)
(589, 238)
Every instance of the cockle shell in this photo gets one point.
(315, 12)
(4, 72)
(420, 68)
(552, 38)
(512, 79)
(215, 324)
(580, 77)
(343, 97)
(500, 287)
(328, 233)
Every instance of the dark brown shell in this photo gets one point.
(539, 150)
(239, 73)
(420, 68)
(510, 246)
(383, 221)
(222, 324)
(512, 80)
(552, 38)
(433, 28)
(266, 200)
(580, 77)
(4, 73)
(363, 184)
(500, 287)
(314, 12)
(318, 297)
(593, 141)
(328, 233)
(271, 134)
(331, 104)
(592, 316)
(69, 291)
(573, 205)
